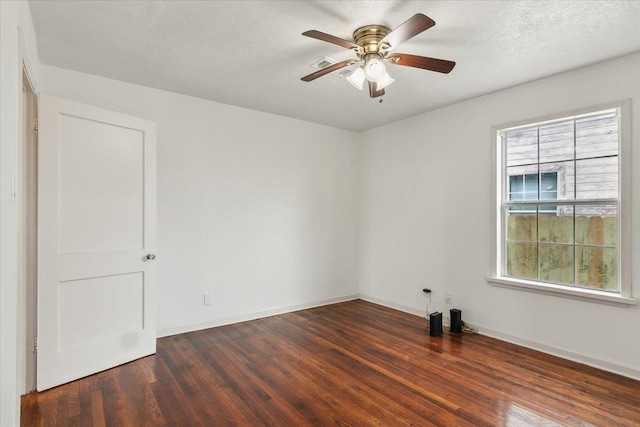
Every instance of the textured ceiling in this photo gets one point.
(252, 54)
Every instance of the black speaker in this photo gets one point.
(456, 320)
(435, 324)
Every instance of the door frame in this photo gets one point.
(27, 237)
(27, 240)
(26, 267)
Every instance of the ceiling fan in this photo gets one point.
(373, 44)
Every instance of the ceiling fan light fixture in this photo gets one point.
(385, 81)
(372, 44)
(374, 70)
(357, 78)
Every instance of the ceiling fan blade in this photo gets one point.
(373, 91)
(330, 39)
(328, 69)
(410, 28)
(432, 64)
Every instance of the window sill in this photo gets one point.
(592, 295)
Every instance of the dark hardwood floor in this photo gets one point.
(348, 364)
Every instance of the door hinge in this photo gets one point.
(35, 344)
(35, 125)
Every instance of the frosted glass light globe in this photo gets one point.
(357, 78)
(384, 81)
(374, 69)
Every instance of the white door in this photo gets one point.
(96, 240)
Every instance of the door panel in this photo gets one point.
(101, 197)
(86, 307)
(96, 224)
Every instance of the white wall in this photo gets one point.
(17, 45)
(427, 218)
(256, 209)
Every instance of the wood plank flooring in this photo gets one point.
(348, 364)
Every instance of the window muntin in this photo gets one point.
(560, 203)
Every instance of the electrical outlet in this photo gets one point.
(207, 299)
(448, 298)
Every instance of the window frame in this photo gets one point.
(499, 188)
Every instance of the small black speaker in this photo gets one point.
(435, 324)
(456, 320)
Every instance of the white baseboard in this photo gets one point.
(174, 330)
(605, 365)
(416, 312)
(395, 306)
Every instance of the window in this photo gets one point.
(560, 223)
(525, 187)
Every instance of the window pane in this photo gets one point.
(522, 146)
(596, 267)
(522, 260)
(556, 263)
(516, 183)
(597, 136)
(549, 181)
(563, 186)
(522, 226)
(597, 178)
(548, 187)
(597, 225)
(556, 142)
(557, 226)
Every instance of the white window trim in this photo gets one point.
(624, 239)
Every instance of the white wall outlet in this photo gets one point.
(207, 299)
(448, 298)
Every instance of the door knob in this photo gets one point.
(151, 256)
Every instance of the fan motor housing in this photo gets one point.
(368, 38)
